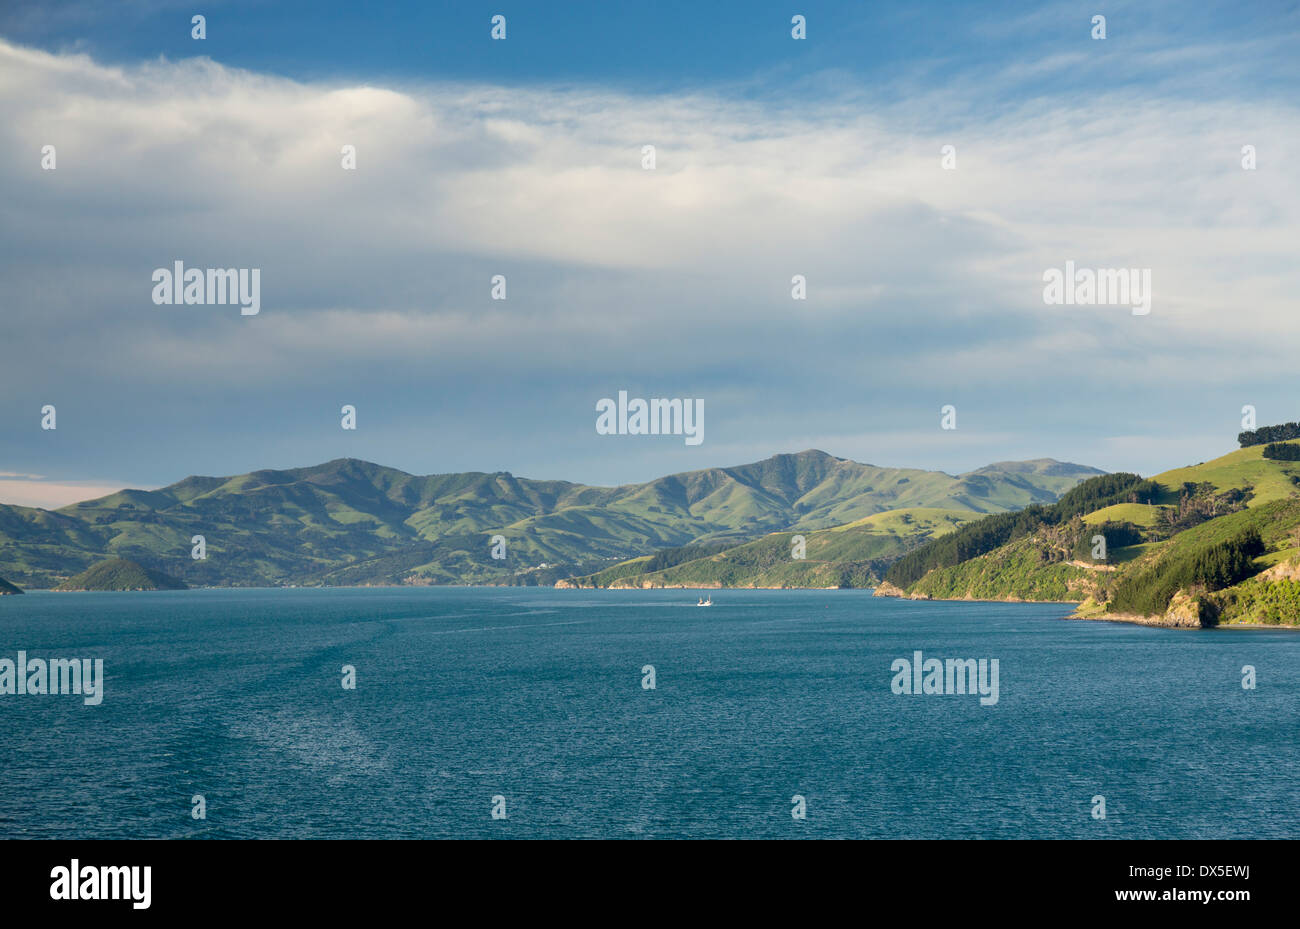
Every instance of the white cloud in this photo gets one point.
(918, 277)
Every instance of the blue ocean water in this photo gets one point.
(535, 695)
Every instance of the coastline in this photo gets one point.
(1172, 620)
(1080, 612)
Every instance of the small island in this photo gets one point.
(120, 574)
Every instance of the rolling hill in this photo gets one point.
(1217, 542)
(350, 522)
(853, 555)
(119, 574)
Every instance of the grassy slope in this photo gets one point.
(1246, 468)
(1139, 514)
(848, 555)
(38, 546)
(7, 589)
(1024, 569)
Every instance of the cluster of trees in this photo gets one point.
(857, 574)
(982, 536)
(1102, 491)
(1211, 567)
(1198, 503)
(1269, 434)
(672, 557)
(1116, 535)
(1282, 451)
(970, 541)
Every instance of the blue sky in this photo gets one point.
(680, 45)
(775, 157)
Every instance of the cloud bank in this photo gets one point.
(924, 284)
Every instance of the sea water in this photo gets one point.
(536, 705)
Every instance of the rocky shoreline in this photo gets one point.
(1185, 612)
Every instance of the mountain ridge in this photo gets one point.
(348, 521)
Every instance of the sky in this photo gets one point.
(523, 157)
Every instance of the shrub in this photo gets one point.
(1282, 451)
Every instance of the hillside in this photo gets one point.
(1217, 542)
(120, 574)
(38, 548)
(7, 589)
(852, 555)
(349, 522)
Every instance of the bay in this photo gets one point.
(535, 695)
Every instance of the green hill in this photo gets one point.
(38, 548)
(1214, 542)
(349, 522)
(7, 589)
(120, 574)
(852, 555)
(1246, 469)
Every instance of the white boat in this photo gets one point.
(708, 602)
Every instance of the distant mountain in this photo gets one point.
(349, 522)
(7, 589)
(120, 574)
